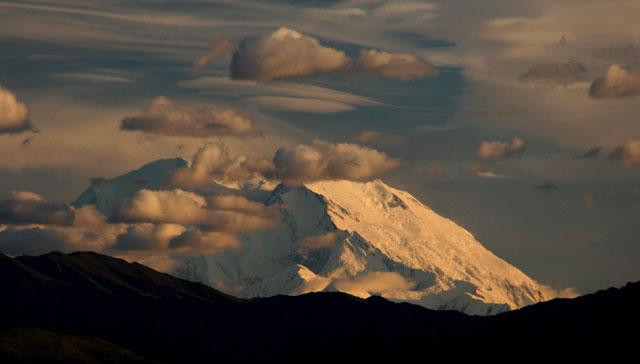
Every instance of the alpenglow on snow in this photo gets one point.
(362, 238)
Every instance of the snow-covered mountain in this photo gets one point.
(360, 238)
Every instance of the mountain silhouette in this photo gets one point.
(87, 307)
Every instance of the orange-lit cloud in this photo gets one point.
(166, 117)
(14, 115)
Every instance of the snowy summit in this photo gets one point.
(362, 238)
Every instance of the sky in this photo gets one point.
(518, 120)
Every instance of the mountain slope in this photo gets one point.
(360, 238)
(95, 300)
(370, 239)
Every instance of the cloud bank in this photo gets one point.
(317, 161)
(228, 214)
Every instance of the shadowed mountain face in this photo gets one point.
(99, 308)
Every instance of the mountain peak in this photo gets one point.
(365, 238)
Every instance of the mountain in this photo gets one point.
(364, 238)
(86, 307)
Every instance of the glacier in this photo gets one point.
(362, 238)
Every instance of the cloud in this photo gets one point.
(284, 53)
(174, 207)
(495, 150)
(213, 163)
(147, 237)
(38, 240)
(326, 161)
(374, 283)
(217, 213)
(562, 73)
(37, 226)
(480, 170)
(403, 66)
(14, 115)
(88, 217)
(300, 104)
(628, 153)
(194, 241)
(217, 46)
(100, 76)
(223, 86)
(591, 153)
(569, 292)
(367, 136)
(288, 53)
(16, 240)
(316, 242)
(616, 83)
(434, 170)
(303, 163)
(547, 187)
(165, 117)
(30, 208)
